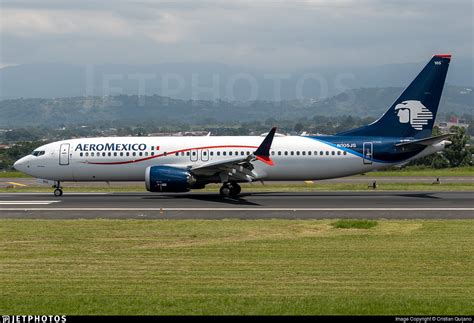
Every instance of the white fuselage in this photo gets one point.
(126, 158)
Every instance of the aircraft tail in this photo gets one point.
(414, 112)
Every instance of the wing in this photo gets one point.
(238, 168)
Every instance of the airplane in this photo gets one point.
(180, 164)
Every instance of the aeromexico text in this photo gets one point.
(111, 147)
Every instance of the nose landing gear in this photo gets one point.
(58, 189)
(230, 189)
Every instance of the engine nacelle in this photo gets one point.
(168, 179)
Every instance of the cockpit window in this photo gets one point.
(37, 153)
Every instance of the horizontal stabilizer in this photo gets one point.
(423, 142)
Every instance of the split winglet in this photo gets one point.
(263, 151)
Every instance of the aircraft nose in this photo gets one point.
(20, 164)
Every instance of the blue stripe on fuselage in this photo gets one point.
(384, 150)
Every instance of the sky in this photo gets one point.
(270, 35)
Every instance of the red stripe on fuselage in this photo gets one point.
(167, 153)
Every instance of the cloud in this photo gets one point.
(277, 34)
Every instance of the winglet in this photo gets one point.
(263, 151)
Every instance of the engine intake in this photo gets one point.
(168, 179)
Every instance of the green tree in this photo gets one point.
(457, 153)
(470, 130)
(437, 160)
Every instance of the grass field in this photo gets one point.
(257, 187)
(421, 171)
(236, 267)
(13, 174)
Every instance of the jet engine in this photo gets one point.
(168, 179)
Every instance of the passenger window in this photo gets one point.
(103, 154)
(218, 153)
(230, 153)
(327, 152)
(242, 153)
(152, 153)
(309, 153)
(194, 153)
(286, 153)
(223, 153)
(187, 153)
(321, 153)
(211, 153)
(115, 154)
(292, 153)
(176, 154)
(279, 153)
(338, 152)
(273, 153)
(333, 153)
(81, 154)
(146, 153)
(134, 154)
(165, 154)
(248, 153)
(344, 153)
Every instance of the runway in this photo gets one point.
(22, 182)
(258, 205)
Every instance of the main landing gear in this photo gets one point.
(230, 189)
(58, 189)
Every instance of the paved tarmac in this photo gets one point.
(257, 205)
(21, 182)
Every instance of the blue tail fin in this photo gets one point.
(414, 112)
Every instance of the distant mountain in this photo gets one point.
(130, 109)
(199, 81)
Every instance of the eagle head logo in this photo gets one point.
(413, 112)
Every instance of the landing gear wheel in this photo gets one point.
(230, 189)
(225, 191)
(235, 189)
(58, 191)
